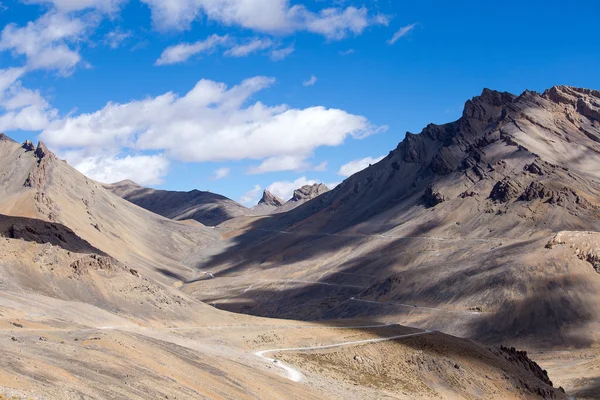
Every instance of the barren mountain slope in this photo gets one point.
(75, 323)
(449, 231)
(208, 208)
(36, 184)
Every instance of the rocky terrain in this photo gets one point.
(208, 208)
(270, 204)
(92, 306)
(458, 229)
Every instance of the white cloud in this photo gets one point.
(405, 30)
(269, 16)
(210, 123)
(280, 163)
(280, 54)
(355, 166)
(285, 189)
(254, 45)
(9, 76)
(347, 52)
(114, 39)
(110, 168)
(45, 41)
(107, 6)
(286, 163)
(250, 198)
(22, 108)
(337, 23)
(321, 167)
(220, 173)
(183, 51)
(310, 82)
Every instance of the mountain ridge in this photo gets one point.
(510, 173)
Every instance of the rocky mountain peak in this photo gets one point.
(42, 151)
(308, 192)
(4, 138)
(488, 105)
(270, 199)
(126, 182)
(28, 145)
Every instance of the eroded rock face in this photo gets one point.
(520, 358)
(308, 192)
(42, 151)
(534, 191)
(505, 190)
(432, 197)
(92, 262)
(270, 199)
(28, 145)
(37, 177)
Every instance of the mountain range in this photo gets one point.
(483, 229)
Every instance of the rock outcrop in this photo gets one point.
(432, 197)
(270, 199)
(505, 190)
(309, 192)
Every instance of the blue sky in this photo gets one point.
(235, 96)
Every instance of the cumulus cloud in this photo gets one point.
(110, 168)
(355, 166)
(250, 198)
(210, 123)
(405, 30)
(269, 16)
(8, 77)
(183, 51)
(286, 163)
(220, 173)
(45, 42)
(310, 81)
(21, 108)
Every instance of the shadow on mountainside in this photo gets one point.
(39, 231)
(521, 303)
(590, 389)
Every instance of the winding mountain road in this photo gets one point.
(296, 376)
(392, 303)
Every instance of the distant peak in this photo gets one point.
(308, 192)
(270, 199)
(4, 138)
(126, 182)
(42, 151)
